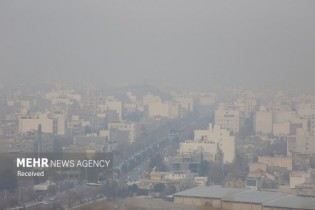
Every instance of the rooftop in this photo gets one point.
(214, 191)
(251, 196)
(266, 198)
(293, 202)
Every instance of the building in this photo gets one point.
(201, 181)
(290, 202)
(241, 199)
(207, 99)
(185, 163)
(258, 178)
(167, 109)
(263, 122)
(216, 135)
(30, 123)
(208, 149)
(97, 143)
(115, 105)
(301, 143)
(284, 162)
(186, 101)
(150, 98)
(298, 177)
(281, 129)
(200, 196)
(248, 200)
(255, 166)
(122, 131)
(230, 119)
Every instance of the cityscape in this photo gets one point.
(165, 145)
(157, 105)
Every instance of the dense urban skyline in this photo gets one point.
(191, 105)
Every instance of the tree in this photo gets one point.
(169, 190)
(157, 161)
(8, 178)
(159, 187)
(215, 173)
(204, 168)
(133, 189)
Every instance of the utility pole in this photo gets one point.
(19, 195)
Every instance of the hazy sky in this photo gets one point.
(193, 43)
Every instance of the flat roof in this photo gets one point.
(251, 196)
(266, 198)
(215, 191)
(292, 202)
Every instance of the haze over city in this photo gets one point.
(259, 44)
(157, 104)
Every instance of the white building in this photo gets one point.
(63, 96)
(122, 131)
(185, 101)
(149, 98)
(220, 137)
(281, 129)
(207, 148)
(263, 122)
(166, 109)
(30, 123)
(207, 99)
(114, 104)
(229, 119)
(298, 177)
(301, 143)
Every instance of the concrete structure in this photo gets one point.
(199, 196)
(281, 129)
(149, 98)
(230, 119)
(207, 99)
(43, 186)
(290, 203)
(220, 137)
(255, 166)
(163, 178)
(284, 162)
(29, 143)
(201, 181)
(97, 143)
(166, 109)
(30, 123)
(240, 199)
(185, 163)
(298, 177)
(208, 149)
(63, 97)
(248, 200)
(122, 131)
(263, 122)
(301, 143)
(185, 101)
(113, 104)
